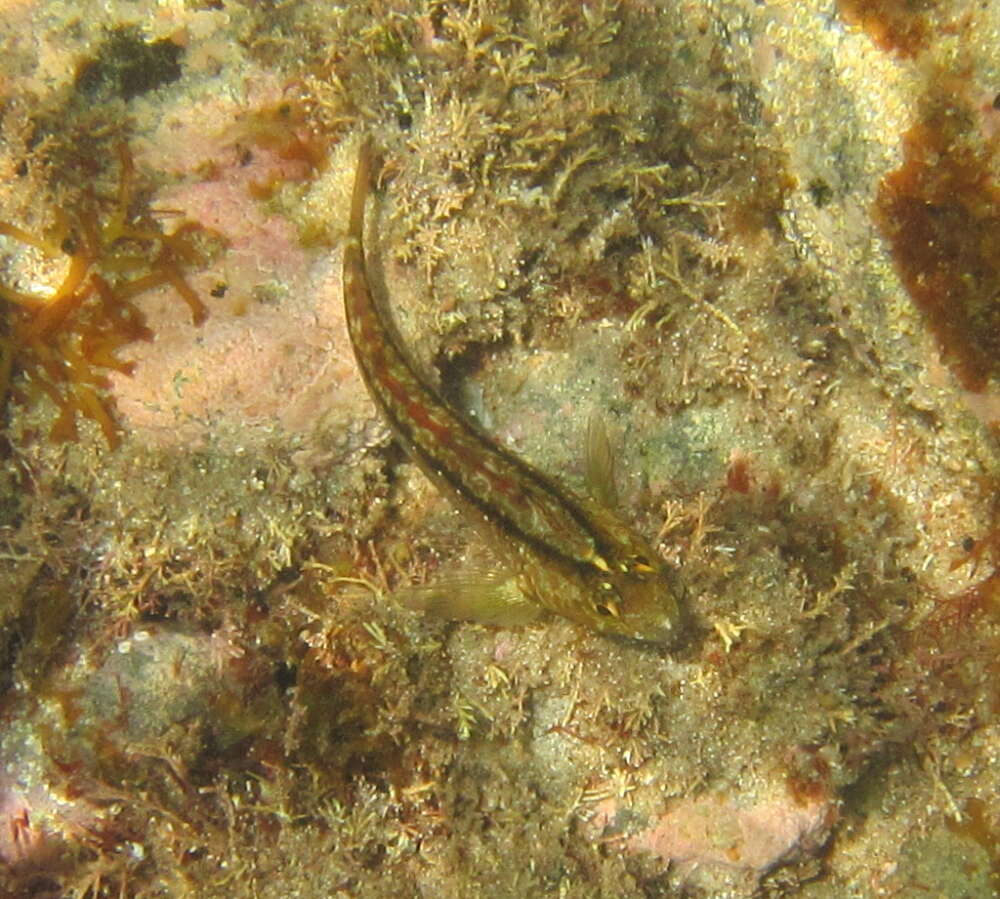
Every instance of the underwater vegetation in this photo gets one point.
(941, 213)
(898, 26)
(209, 688)
(62, 343)
(69, 304)
(126, 65)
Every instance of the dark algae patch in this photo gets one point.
(127, 66)
(940, 212)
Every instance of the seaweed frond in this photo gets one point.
(64, 342)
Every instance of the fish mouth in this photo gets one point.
(665, 629)
(662, 633)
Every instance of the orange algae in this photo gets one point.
(898, 26)
(63, 343)
(940, 213)
(979, 825)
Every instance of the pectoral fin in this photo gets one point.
(600, 463)
(484, 597)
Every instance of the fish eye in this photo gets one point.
(607, 607)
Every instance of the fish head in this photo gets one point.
(635, 598)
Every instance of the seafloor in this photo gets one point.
(760, 240)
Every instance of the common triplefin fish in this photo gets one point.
(569, 554)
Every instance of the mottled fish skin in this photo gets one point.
(569, 554)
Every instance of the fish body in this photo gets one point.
(565, 553)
